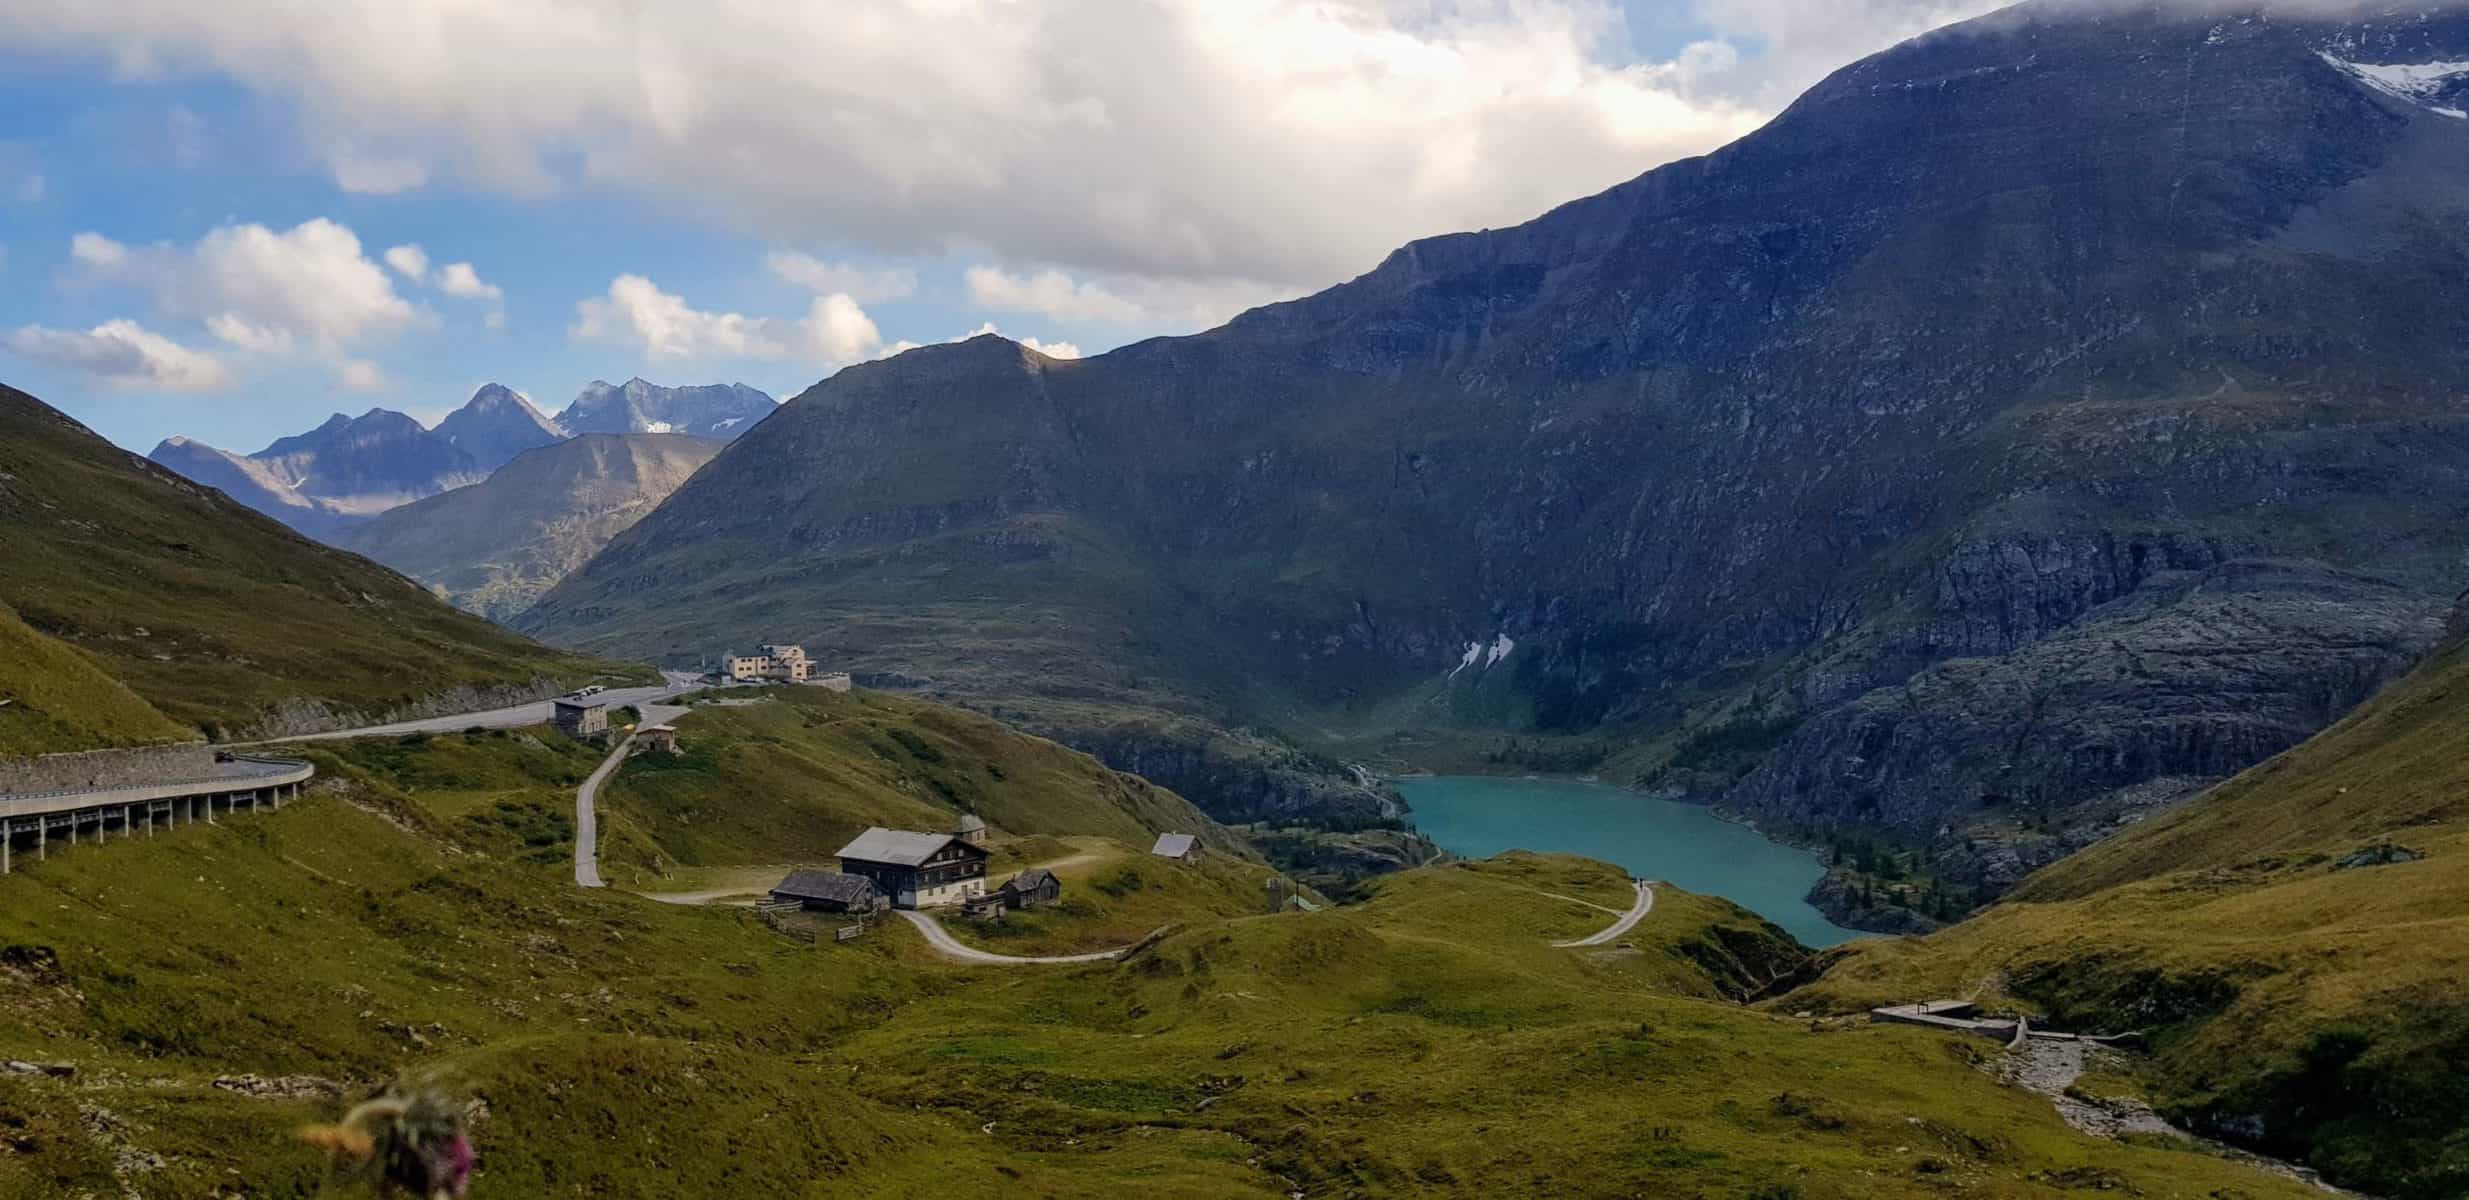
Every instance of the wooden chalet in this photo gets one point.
(830, 891)
(917, 870)
(1033, 888)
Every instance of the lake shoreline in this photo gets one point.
(1693, 846)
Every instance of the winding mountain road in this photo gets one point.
(514, 717)
(1628, 920)
(949, 947)
(586, 797)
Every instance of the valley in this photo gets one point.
(1920, 652)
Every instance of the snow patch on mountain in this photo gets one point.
(2417, 83)
(1485, 656)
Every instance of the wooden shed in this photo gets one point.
(830, 891)
(1032, 888)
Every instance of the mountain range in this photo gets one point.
(350, 469)
(137, 606)
(494, 546)
(2034, 422)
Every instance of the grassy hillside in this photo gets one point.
(413, 917)
(1114, 895)
(2313, 1007)
(58, 699)
(219, 617)
(790, 780)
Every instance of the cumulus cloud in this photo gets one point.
(123, 354)
(307, 289)
(1279, 141)
(663, 327)
(461, 281)
(411, 261)
(1050, 293)
(858, 283)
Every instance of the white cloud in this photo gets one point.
(1051, 293)
(375, 175)
(664, 328)
(411, 261)
(1049, 349)
(459, 280)
(125, 355)
(360, 375)
(1280, 142)
(857, 283)
(307, 289)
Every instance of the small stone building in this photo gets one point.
(1181, 847)
(972, 829)
(656, 739)
(829, 891)
(579, 718)
(1033, 888)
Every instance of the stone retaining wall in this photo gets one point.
(106, 768)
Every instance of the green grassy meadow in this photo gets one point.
(414, 917)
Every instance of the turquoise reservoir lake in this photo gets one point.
(1653, 839)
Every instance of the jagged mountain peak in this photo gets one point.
(717, 410)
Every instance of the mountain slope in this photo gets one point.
(250, 482)
(54, 698)
(714, 410)
(494, 546)
(2066, 319)
(2293, 940)
(496, 424)
(217, 617)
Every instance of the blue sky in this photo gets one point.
(196, 203)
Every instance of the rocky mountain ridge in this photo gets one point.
(350, 469)
(716, 410)
(493, 547)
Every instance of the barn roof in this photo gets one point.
(972, 823)
(1031, 880)
(1172, 845)
(826, 885)
(899, 847)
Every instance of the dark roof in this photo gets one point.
(900, 847)
(1033, 879)
(826, 885)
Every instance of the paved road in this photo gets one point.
(534, 713)
(1628, 920)
(586, 812)
(951, 948)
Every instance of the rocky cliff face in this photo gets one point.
(2063, 400)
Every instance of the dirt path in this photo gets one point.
(950, 947)
(1628, 920)
(1069, 862)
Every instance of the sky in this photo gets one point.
(229, 220)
